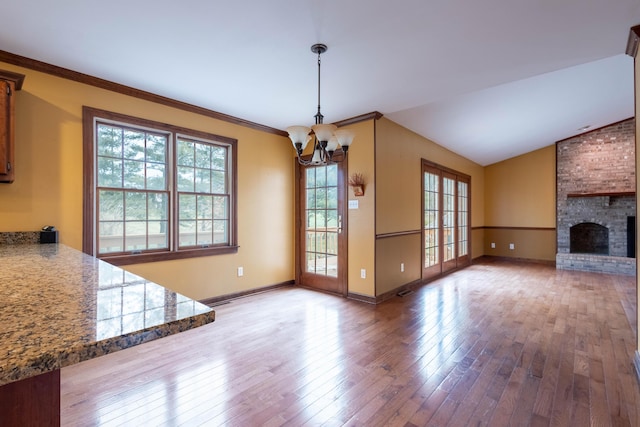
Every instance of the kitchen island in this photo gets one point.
(58, 307)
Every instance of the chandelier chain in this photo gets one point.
(319, 116)
(327, 140)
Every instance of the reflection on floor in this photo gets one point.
(493, 344)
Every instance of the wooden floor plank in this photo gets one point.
(498, 343)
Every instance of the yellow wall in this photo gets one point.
(391, 252)
(520, 206)
(532, 244)
(399, 154)
(362, 220)
(399, 176)
(521, 191)
(517, 194)
(48, 185)
(477, 241)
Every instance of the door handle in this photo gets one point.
(339, 224)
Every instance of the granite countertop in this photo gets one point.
(59, 306)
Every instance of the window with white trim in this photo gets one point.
(155, 191)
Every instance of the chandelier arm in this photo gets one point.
(328, 161)
(326, 156)
(321, 150)
(303, 162)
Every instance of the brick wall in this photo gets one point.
(601, 161)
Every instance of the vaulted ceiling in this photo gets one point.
(488, 80)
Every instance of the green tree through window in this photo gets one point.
(158, 189)
(132, 189)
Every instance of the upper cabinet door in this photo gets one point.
(9, 83)
(6, 144)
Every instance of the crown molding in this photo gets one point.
(633, 41)
(68, 74)
(357, 119)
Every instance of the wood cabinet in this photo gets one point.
(9, 84)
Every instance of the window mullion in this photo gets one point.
(173, 187)
(135, 189)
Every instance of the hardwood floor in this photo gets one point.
(495, 344)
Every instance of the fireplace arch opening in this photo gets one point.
(589, 238)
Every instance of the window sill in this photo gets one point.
(129, 259)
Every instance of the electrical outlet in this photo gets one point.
(402, 267)
(493, 245)
(363, 273)
(512, 246)
(240, 271)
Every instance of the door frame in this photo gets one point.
(299, 237)
(443, 267)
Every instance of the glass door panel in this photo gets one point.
(322, 220)
(464, 256)
(449, 221)
(463, 213)
(431, 226)
(322, 190)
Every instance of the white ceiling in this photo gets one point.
(488, 80)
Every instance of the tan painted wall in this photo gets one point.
(362, 220)
(399, 154)
(477, 241)
(520, 195)
(390, 254)
(521, 191)
(530, 244)
(398, 175)
(48, 190)
(48, 185)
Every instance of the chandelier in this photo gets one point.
(329, 142)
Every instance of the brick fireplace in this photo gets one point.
(596, 200)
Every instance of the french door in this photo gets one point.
(322, 228)
(445, 220)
